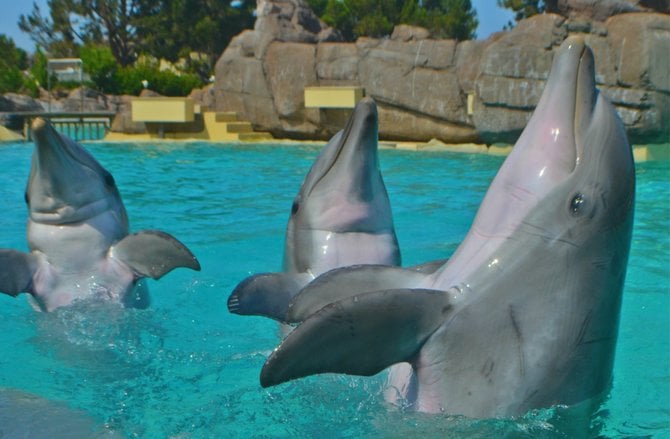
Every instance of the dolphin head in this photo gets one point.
(344, 190)
(342, 214)
(599, 192)
(573, 143)
(572, 170)
(66, 184)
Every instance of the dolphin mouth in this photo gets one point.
(66, 184)
(578, 61)
(586, 98)
(552, 145)
(65, 213)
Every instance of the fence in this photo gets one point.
(76, 125)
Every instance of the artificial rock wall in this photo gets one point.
(458, 92)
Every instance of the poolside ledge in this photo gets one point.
(7, 135)
(641, 153)
(182, 119)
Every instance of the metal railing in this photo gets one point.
(91, 125)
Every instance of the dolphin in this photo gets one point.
(78, 234)
(341, 216)
(525, 313)
(25, 415)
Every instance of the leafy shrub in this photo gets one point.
(108, 77)
(376, 18)
(12, 61)
(101, 66)
(164, 82)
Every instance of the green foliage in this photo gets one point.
(165, 82)
(72, 23)
(376, 18)
(56, 33)
(101, 66)
(524, 8)
(172, 29)
(13, 61)
(11, 80)
(38, 69)
(165, 29)
(318, 6)
(10, 71)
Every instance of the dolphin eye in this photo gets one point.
(577, 204)
(109, 180)
(296, 204)
(295, 207)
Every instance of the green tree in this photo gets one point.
(72, 23)
(38, 69)
(376, 18)
(13, 61)
(101, 66)
(527, 8)
(447, 18)
(53, 33)
(172, 29)
(167, 29)
(165, 82)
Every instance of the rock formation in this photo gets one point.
(601, 10)
(425, 88)
(423, 85)
(632, 53)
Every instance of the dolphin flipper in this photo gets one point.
(17, 271)
(345, 282)
(360, 335)
(153, 253)
(266, 294)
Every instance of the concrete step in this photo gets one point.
(226, 116)
(239, 127)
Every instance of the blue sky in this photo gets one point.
(491, 19)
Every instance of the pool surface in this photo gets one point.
(186, 368)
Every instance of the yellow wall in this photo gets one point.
(333, 97)
(162, 109)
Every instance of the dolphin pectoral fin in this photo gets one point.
(152, 253)
(344, 282)
(360, 335)
(266, 294)
(17, 271)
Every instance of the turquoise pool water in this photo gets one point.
(186, 368)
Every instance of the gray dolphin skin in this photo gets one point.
(25, 415)
(341, 216)
(525, 313)
(78, 234)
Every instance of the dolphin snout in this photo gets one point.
(367, 105)
(38, 125)
(574, 43)
(364, 124)
(40, 130)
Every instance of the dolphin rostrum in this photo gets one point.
(78, 234)
(341, 216)
(525, 313)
